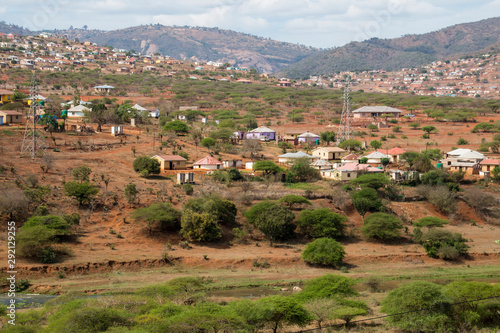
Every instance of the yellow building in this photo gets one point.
(6, 96)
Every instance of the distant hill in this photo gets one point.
(13, 29)
(199, 44)
(404, 52)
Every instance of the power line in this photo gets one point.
(396, 314)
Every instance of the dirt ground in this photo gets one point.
(99, 249)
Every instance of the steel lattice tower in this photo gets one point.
(34, 140)
(346, 122)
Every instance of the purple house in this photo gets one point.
(262, 133)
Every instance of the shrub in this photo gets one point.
(302, 171)
(396, 129)
(421, 307)
(324, 251)
(441, 197)
(276, 223)
(321, 222)
(224, 210)
(259, 208)
(291, 200)
(83, 192)
(366, 200)
(146, 165)
(199, 227)
(430, 222)
(328, 286)
(373, 180)
(162, 214)
(131, 193)
(90, 319)
(436, 239)
(381, 226)
(462, 141)
(188, 189)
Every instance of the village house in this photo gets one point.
(261, 133)
(171, 162)
(6, 96)
(375, 112)
(10, 117)
(393, 153)
(487, 165)
(322, 165)
(349, 171)
(104, 88)
(228, 164)
(78, 111)
(308, 137)
(328, 153)
(351, 158)
(376, 157)
(292, 157)
(209, 163)
(463, 160)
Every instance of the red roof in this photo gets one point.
(208, 160)
(393, 151)
(351, 157)
(490, 161)
(170, 157)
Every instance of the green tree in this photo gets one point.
(428, 129)
(430, 222)
(439, 243)
(420, 307)
(268, 167)
(53, 222)
(162, 214)
(276, 223)
(259, 208)
(291, 200)
(328, 286)
(131, 193)
(224, 210)
(321, 222)
(199, 227)
(327, 137)
(177, 126)
(146, 165)
(363, 160)
(302, 171)
(347, 310)
(284, 310)
(414, 125)
(82, 173)
(33, 241)
(375, 144)
(208, 143)
(324, 251)
(366, 200)
(372, 180)
(381, 226)
(83, 192)
(350, 144)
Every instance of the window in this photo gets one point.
(178, 163)
(348, 175)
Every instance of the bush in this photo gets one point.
(462, 141)
(199, 227)
(259, 208)
(276, 223)
(83, 192)
(162, 214)
(366, 200)
(90, 319)
(440, 196)
(324, 251)
(373, 180)
(291, 200)
(328, 286)
(381, 226)
(437, 244)
(421, 307)
(188, 189)
(302, 171)
(224, 210)
(430, 222)
(146, 165)
(321, 222)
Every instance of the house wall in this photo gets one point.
(270, 135)
(308, 139)
(5, 98)
(75, 114)
(11, 119)
(208, 167)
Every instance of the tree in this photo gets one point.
(372, 180)
(83, 192)
(321, 222)
(327, 137)
(375, 144)
(284, 310)
(177, 126)
(199, 227)
(430, 222)
(350, 144)
(439, 243)
(13, 202)
(292, 200)
(428, 129)
(347, 309)
(324, 251)
(421, 307)
(366, 200)
(276, 223)
(328, 286)
(259, 208)
(363, 160)
(146, 165)
(224, 210)
(268, 167)
(321, 309)
(33, 241)
(302, 171)
(208, 143)
(82, 173)
(385, 161)
(58, 224)
(131, 193)
(414, 125)
(381, 226)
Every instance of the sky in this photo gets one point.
(318, 23)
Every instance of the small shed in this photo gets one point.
(232, 164)
(77, 111)
(171, 162)
(328, 153)
(10, 117)
(209, 163)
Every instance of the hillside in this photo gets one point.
(195, 43)
(404, 52)
(13, 29)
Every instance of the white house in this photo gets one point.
(209, 163)
(328, 153)
(292, 157)
(308, 137)
(78, 111)
(375, 111)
